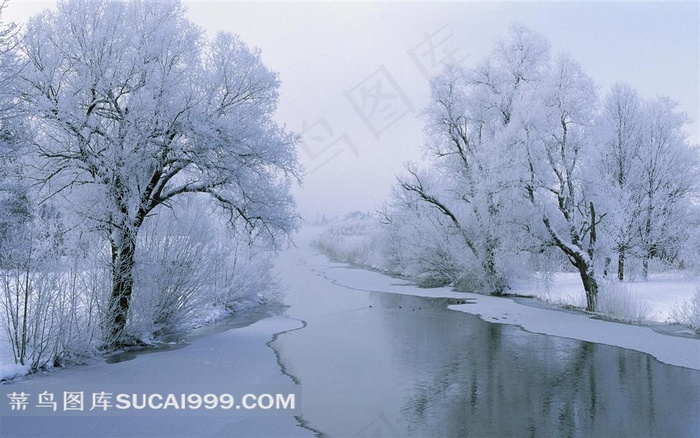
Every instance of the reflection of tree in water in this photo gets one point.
(496, 380)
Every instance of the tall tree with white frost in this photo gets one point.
(649, 172)
(9, 65)
(669, 177)
(467, 124)
(133, 107)
(620, 144)
(525, 159)
(557, 131)
(14, 201)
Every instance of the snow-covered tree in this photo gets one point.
(619, 145)
(648, 173)
(525, 158)
(9, 66)
(557, 129)
(670, 175)
(511, 142)
(468, 128)
(15, 208)
(134, 107)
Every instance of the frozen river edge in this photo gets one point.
(669, 349)
(246, 357)
(672, 350)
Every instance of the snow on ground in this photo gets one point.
(673, 350)
(663, 293)
(8, 369)
(660, 294)
(235, 360)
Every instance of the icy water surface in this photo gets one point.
(381, 364)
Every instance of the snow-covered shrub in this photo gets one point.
(28, 298)
(423, 251)
(426, 246)
(616, 301)
(415, 243)
(568, 299)
(355, 239)
(191, 269)
(252, 282)
(49, 310)
(172, 269)
(688, 312)
(77, 323)
(690, 251)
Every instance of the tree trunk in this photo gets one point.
(494, 281)
(583, 264)
(621, 264)
(645, 267)
(123, 259)
(606, 270)
(648, 247)
(590, 285)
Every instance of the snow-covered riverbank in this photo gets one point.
(241, 358)
(238, 359)
(673, 350)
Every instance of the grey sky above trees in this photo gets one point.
(326, 51)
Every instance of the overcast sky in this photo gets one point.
(355, 75)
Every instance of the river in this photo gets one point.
(382, 364)
(373, 363)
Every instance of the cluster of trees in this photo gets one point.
(528, 164)
(117, 119)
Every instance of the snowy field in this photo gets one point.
(649, 301)
(8, 370)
